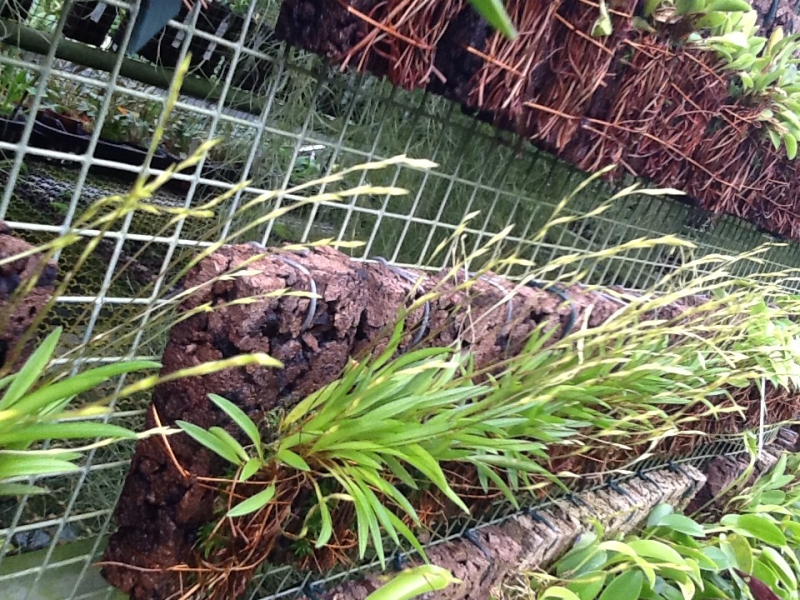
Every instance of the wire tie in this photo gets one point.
(646, 478)
(611, 298)
(426, 313)
(573, 314)
(615, 487)
(499, 286)
(689, 493)
(676, 468)
(534, 514)
(313, 589)
(576, 501)
(401, 272)
(400, 561)
(773, 10)
(470, 536)
(312, 309)
(510, 307)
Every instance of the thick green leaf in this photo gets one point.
(239, 417)
(375, 480)
(625, 549)
(782, 567)
(757, 526)
(508, 462)
(495, 13)
(657, 550)
(382, 515)
(695, 554)
(650, 6)
(791, 145)
(579, 561)
(404, 530)
(721, 559)
(251, 467)
(366, 521)
(411, 583)
(52, 396)
(588, 585)
(28, 465)
(428, 466)
(5, 381)
(627, 585)
(31, 371)
(682, 524)
(253, 503)
(560, 593)
(326, 529)
(499, 483)
(603, 26)
(728, 6)
(365, 459)
(670, 574)
(740, 551)
(774, 497)
(767, 574)
(210, 441)
(400, 471)
(28, 434)
(21, 489)
(687, 7)
(659, 512)
(227, 439)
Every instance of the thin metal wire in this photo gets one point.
(479, 171)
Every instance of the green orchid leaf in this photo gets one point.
(495, 13)
(253, 503)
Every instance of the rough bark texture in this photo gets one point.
(522, 543)
(327, 27)
(159, 512)
(17, 310)
(658, 107)
(777, 13)
(722, 471)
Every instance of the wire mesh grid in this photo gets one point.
(283, 117)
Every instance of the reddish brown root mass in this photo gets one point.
(662, 112)
(160, 510)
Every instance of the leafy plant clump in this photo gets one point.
(395, 430)
(750, 553)
(34, 409)
(764, 69)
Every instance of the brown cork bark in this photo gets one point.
(722, 471)
(647, 101)
(159, 512)
(18, 310)
(522, 544)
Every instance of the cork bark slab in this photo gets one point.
(522, 544)
(526, 545)
(18, 312)
(159, 512)
(722, 471)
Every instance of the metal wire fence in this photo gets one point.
(75, 116)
